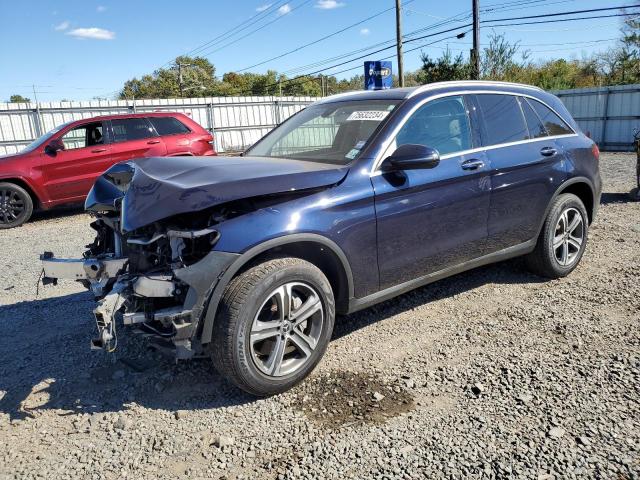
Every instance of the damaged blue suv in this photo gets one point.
(354, 200)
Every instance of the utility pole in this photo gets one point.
(399, 41)
(475, 52)
(180, 79)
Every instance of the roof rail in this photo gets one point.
(433, 86)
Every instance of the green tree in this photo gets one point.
(442, 69)
(197, 75)
(18, 99)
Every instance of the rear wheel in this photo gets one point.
(562, 240)
(16, 205)
(274, 324)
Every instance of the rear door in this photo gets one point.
(174, 134)
(135, 138)
(69, 174)
(526, 167)
(431, 219)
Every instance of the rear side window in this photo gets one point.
(168, 125)
(503, 119)
(126, 129)
(536, 128)
(552, 122)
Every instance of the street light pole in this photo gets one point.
(475, 53)
(399, 42)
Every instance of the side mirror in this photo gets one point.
(411, 157)
(54, 146)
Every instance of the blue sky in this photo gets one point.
(78, 49)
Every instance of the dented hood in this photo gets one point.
(151, 189)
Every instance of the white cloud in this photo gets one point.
(61, 26)
(284, 9)
(262, 8)
(364, 31)
(329, 4)
(93, 33)
(101, 8)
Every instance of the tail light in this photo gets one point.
(596, 151)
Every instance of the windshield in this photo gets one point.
(331, 132)
(44, 138)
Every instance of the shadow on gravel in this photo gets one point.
(609, 198)
(47, 364)
(58, 212)
(504, 273)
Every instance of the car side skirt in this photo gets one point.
(356, 304)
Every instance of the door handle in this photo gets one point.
(472, 164)
(98, 150)
(153, 142)
(548, 151)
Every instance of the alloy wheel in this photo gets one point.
(12, 206)
(568, 237)
(286, 330)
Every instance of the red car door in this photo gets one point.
(174, 134)
(74, 159)
(134, 138)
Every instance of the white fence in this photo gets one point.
(609, 114)
(236, 122)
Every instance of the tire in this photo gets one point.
(251, 308)
(549, 261)
(16, 205)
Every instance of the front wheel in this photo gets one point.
(16, 205)
(562, 240)
(273, 326)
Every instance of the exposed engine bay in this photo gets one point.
(153, 265)
(141, 279)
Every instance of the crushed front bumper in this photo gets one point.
(166, 306)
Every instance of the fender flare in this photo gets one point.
(253, 252)
(564, 185)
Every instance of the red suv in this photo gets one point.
(61, 166)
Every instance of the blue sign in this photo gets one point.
(377, 75)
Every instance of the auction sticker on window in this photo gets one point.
(375, 115)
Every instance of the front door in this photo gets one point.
(135, 138)
(431, 219)
(70, 173)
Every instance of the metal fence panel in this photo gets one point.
(608, 114)
(236, 122)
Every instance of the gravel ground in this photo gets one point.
(493, 373)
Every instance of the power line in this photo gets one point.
(448, 31)
(337, 32)
(234, 30)
(545, 15)
(565, 20)
(210, 52)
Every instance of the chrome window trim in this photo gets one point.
(387, 143)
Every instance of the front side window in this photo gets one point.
(502, 118)
(83, 136)
(329, 132)
(552, 122)
(127, 129)
(168, 125)
(442, 124)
